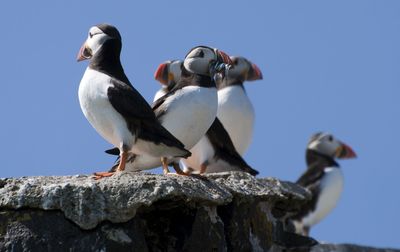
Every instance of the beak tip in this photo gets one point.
(347, 152)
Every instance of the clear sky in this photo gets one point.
(327, 65)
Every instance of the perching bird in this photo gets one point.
(215, 151)
(190, 107)
(235, 110)
(114, 108)
(323, 178)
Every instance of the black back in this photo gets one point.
(311, 179)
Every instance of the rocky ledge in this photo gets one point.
(146, 212)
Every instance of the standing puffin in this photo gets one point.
(215, 151)
(114, 108)
(188, 109)
(234, 106)
(323, 178)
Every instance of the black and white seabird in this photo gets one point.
(234, 105)
(114, 108)
(189, 108)
(215, 151)
(323, 178)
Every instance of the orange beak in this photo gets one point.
(224, 58)
(254, 73)
(84, 53)
(344, 152)
(161, 73)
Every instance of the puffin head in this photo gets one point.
(97, 37)
(244, 70)
(206, 61)
(169, 72)
(328, 145)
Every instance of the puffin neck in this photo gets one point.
(107, 60)
(226, 83)
(194, 79)
(312, 157)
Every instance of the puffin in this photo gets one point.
(233, 103)
(215, 151)
(187, 109)
(323, 178)
(114, 108)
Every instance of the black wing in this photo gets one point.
(187, 79)
(157, 106)
(224, 148)
(138, 114)
(311, 180)
(312, 176)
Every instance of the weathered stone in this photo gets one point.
(88, 202)
(145, 212)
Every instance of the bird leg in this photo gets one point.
(164, 165)
(188, 173)
(122, 161)
(121, 167)
(203, 168)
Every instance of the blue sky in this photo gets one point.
(327, 65)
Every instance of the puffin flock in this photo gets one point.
(201, 120)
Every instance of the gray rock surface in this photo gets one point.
(87, 202)
(145, 212)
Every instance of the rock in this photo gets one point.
(87, 202)
(145, 212)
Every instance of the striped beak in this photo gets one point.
(254, 73)
(344, 152)
(223, 57)
(84, 53)
(161, 73)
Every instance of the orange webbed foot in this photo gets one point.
(100, 175)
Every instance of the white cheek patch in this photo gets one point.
(196, 65)
(96, 42)
(313, 145)
(324, 146)
(95, 30)
(175, 69)
(236, 71)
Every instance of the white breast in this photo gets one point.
(98, 110)
(332, 186)
(201, 152)
(237, 115)
(190, 113)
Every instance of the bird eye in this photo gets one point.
(199, 54)
(90, 35)
(330, 138)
